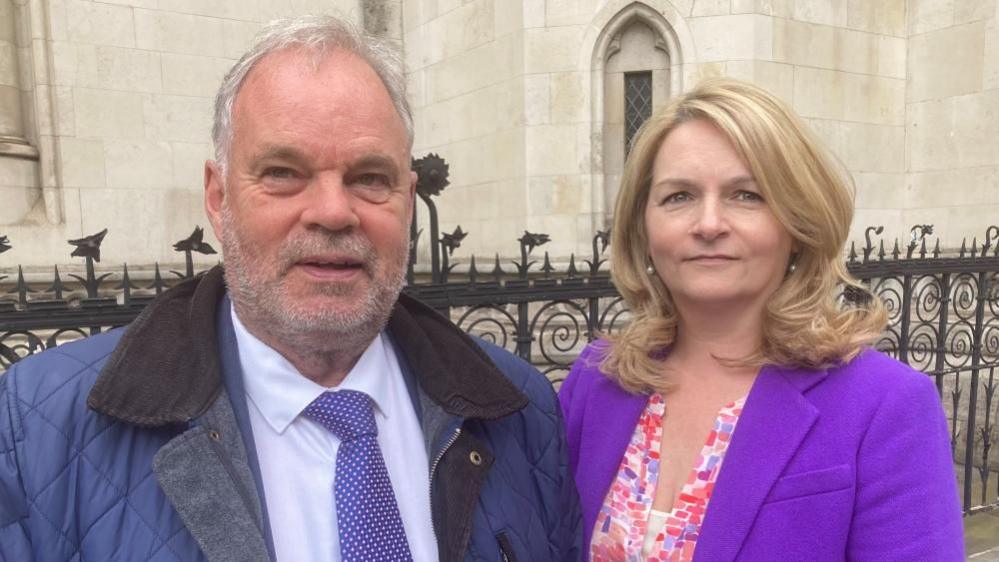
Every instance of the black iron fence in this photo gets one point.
(944, 311)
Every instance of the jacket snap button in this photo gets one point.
(214, 434)
(475, 457)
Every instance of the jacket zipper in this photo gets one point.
(506, 549)
(433, 470)
(226, 463)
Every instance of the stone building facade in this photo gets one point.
(105, 106)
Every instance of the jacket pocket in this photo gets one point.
(811, 483)
(506, 548)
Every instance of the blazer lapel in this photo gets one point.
(205, 475)
(775, 419)
(607, 429)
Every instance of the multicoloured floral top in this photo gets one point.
(623, 520)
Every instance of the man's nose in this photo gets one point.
(711, 220)
(329, 204)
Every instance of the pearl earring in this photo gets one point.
(791, 267)
(650, 270)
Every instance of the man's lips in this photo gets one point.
(331, 266)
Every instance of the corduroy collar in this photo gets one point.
(165, 370)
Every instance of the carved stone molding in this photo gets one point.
(14, 147)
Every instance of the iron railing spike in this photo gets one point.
(57, 286)
(158, 284)
(546, 267)
(22, 287)
(575, 286)
(497, 269)
(126, 284)
(126, 279)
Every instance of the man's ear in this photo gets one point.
(412, 192)
(214, 196)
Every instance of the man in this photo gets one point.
(295, 407)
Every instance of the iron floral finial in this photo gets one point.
(867, 237)
(195, 243)
(604, 236)
(431, 175)
(920, 231)
(918, 234)
(532, 240)
(991, 235)
(89, 246)
(452, 241)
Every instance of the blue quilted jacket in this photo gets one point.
(127, 446)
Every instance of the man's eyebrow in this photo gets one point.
(376, 160)
(280, 152)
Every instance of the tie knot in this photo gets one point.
(348, 414)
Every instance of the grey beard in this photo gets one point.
(257, 292)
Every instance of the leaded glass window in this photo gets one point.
(637, 104)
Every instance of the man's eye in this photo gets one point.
(279, 173)
(373, 187)
(373, 180)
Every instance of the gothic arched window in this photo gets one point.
(636, 79)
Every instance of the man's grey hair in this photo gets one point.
(320, 36)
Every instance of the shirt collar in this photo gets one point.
(281, 392)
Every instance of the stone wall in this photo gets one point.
(520, 100)
(104, 106)
(517, 100)
(19, 186)
(121, 93)
(952, 116)
(476, 106)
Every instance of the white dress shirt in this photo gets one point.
(297, 456)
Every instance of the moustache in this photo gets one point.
(355, 247)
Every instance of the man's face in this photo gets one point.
(314, 212)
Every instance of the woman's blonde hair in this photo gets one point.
(806, 323)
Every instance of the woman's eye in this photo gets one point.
(678, 197)
(748, 196)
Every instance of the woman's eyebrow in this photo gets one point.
(740, 180)
(676, 183)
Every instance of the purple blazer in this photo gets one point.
(850, 463)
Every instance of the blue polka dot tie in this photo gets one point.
(367, 515)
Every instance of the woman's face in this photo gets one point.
(713, 240)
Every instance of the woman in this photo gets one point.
(741, 415)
